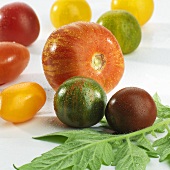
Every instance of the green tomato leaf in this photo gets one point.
(145, 143)
(131, 157)
(162, 128)
(163, 147)
(163, 111)
(82, 149)
(74, 135)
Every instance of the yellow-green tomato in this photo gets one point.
(20, 102)
(67, 11)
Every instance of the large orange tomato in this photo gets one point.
(141, 9)
(83, 49)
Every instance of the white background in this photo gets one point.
(148, 67)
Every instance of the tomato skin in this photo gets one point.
(14, 58)
(129, 36)
(66, 11)
(80, 102)
(18, 23)
(20, 102)
(83, 49)
(130, 109)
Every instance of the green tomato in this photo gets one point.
(80, 102)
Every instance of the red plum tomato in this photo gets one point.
(18, 23)
(14, 58)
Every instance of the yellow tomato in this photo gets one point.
(141, 9)
(20, 102)
(67, 11)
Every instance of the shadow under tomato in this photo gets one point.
(37, 126)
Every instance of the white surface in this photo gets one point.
(148, 67)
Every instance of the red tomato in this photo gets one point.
(14, 58)
(83, 49)
(18, 23)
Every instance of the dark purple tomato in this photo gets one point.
(18, 23)
(130, 109)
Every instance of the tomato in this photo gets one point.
(129, 36)
(20, 102)
(18, 23)
(80, 102)
(66, 11)
(83, 49)
(141, 9)
(14, 58)
(130, 109)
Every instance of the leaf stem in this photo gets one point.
(142, 131)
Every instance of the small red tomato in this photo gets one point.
(130, 109)
(14, 58)
(83, 49)
(18, 23)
